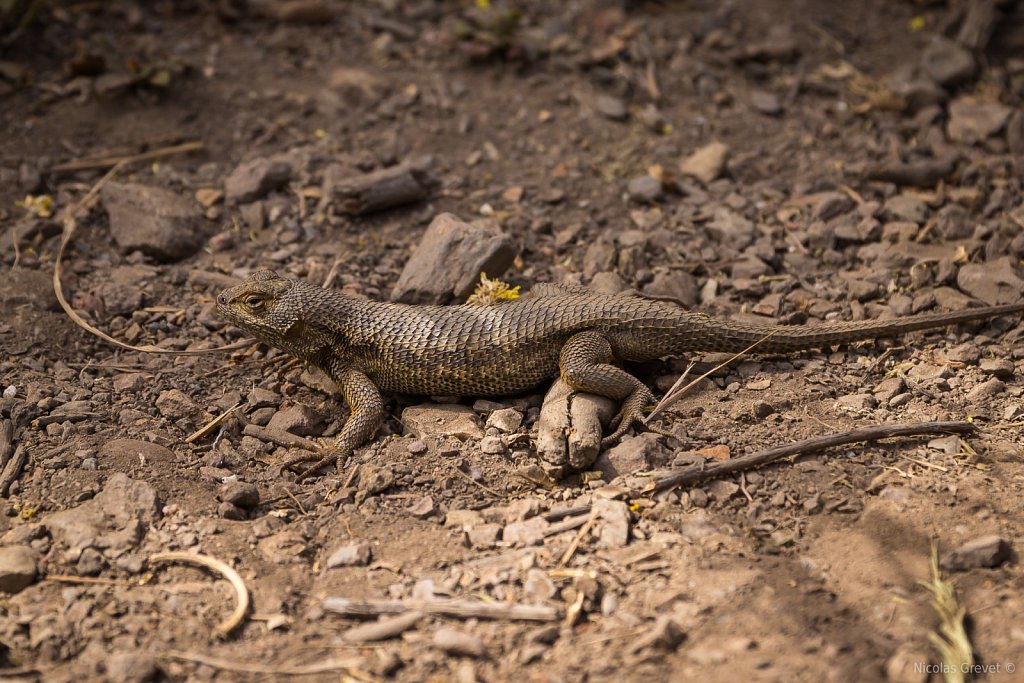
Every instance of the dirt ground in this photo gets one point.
(801, 160)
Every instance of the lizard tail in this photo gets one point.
(709, 334)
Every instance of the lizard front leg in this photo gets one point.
(585, 363)
(367, 408)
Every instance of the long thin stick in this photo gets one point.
(466, 609)
(324, 666)
(111, 161)
(703, 472)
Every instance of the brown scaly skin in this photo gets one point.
(508, 347)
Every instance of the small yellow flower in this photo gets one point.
(492, 291)
(41, 206)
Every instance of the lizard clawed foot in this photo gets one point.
(323, 456)
(632, 412)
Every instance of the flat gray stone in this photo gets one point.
(431, 421)
(972, 121)
(155, 221)
(450, 258)
(17, 568)
(253, 179)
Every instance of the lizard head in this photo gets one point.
(261, 307)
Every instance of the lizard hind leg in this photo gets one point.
(586, 364)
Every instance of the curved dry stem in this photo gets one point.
(71, 224)
(224, 628)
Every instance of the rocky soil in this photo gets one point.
(767, 161)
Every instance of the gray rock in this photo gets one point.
(505, 420)
(174, 404)
(253, 179)
(856, 402)
(115, 520)
(615, 523)
(431, 421)
(765, 102)
(972, 121)
(526, 532)
(722, 490)
(131, 667)
(374, 479)
(121, 452)
(644, 189)
(353, 555)
(828, 205)
(240, 493)
(627, 457)
(995, 282)
(986, 551)
(450, 257)
(263, 398)
(298, 419)
(460, 643)
(706, 163)
(423, 507)
(492, 445)
(906, 207)
(611, 107)
(888, 388)
(484, 535)
(1002, 368)
(991, 387)
(538, 585)
(230, 511)
(674, 284)
(17, 568)
(155, 221)
(947, 63)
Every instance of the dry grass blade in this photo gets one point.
(224, 628)
(111, 161)
(672, 396)
(212, 424)
(70, 222)
(951, 640)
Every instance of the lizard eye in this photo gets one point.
(253, 302)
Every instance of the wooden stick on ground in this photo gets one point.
(465, 609)
(705, 471)
(321, 667)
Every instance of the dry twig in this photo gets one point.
(705, 471)
(224, 628)
(464, 609)
(323, 666)
(70, 222)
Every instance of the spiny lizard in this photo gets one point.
(510, 346)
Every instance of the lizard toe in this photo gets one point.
(632, 412)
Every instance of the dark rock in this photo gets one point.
(240, 493)
(972, 121)
(644, 189)
(674, 284)
(155, 221)
(988, 388)
(253, 179)
(450, 258)
(906, 207)
(1002, 368)
(174, 404)
(994, 283)
(298, 419)
(986, 551)
(231, 511)
(947, 63)
(627, 457)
